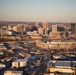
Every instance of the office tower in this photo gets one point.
(54, 28)
(54, 33)
(20, 28)
(36, 24)
(40, 30)
(73, 29)
(45, 26)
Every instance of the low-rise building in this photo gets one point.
(13, 73)
(32, 33)
(15, 46)
(56, 44)
(2, 47)
(61, 68)
(19, 63)
(2, 66)
(36, 37)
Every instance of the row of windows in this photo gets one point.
(58, 43)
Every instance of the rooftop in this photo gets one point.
(21, 60)
(62, 64)
(13, 71)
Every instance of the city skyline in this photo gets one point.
(38, 10)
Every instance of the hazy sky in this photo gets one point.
(38, 10)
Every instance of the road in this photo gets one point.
(40, 70)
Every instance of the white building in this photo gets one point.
(13, 73)
(40, 30)
(5, 32)
(54, 33)
(45, 28)
(32, 33)
(19, 63)
(54, 28)
(36, 24)
(17, 28)
(12, 27)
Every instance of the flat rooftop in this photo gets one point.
(62, 64)
(21, 60)
(14, 72)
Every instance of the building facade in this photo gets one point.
(73, 29)
(13, 73)
(40, 30)
(56, 44)
(54, 33)
(61, 68)
(45, 26)
(19, 63)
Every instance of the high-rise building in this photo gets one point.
(54, 34)
(20, 28)
(17, 28)
(45, 28)
(54, 28)
(73, 29)
(24, 27)
(36, 24)
(40, 30)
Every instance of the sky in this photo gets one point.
(38, 10)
